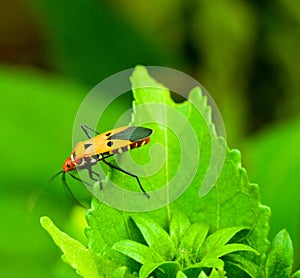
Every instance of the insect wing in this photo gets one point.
(119, 138)
(133, 134)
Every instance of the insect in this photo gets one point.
(87, 153)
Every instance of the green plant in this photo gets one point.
(223, 234)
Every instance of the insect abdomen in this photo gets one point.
(139, 143)
(133, 145)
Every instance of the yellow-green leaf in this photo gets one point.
(75, 254)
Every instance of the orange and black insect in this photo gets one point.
(87, 153)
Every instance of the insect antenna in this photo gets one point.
(35, 196)
(53, 177)
(32, 200)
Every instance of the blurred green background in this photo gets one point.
(53, 52)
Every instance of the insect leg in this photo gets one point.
(126, 172)
(78, 179)
(67, 188)
(91, 172)
(86, 131)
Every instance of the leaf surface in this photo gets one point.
(280, 258)
(183, 133)
(75, 254)
(137, 251)
(106, 226)
(156, 237)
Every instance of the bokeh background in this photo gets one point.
(52, 53)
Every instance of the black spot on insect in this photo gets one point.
(68, 165)
(109, 143)
(108, 134)
(87, 145)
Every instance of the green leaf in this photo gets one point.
(174, 134)
(192, 271)
(121, 272)
(163, 269)
(180, 274)
(221, 237)
(214, 274)
(209, 262)
(75, 254)
(215, 245)
(202, 275)
(106, 226)
(147, 269)
(137, 251)
(191, 242)
(280, 258)
(277, 172)
(197, 272)
(244, 264)
(178, 226)
(296, 274)
(233, 201)
(232, 195)
(156, 237)
(225, 250)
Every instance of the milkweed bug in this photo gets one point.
(87, 153)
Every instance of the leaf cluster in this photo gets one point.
(223, 234)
